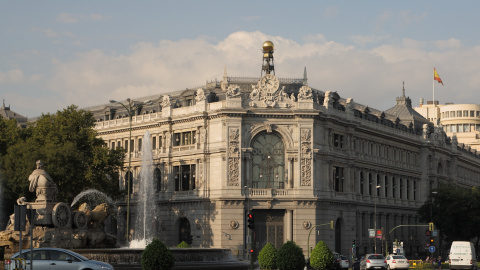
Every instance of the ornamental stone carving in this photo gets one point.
(267, 93)
(328, 100)
(200, 95)
(305, 93)
(234, 224)
(166, 101)
(233, 91)
(306, 224)
(306, 157)
(233, 157)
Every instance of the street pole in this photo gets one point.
(132, 107)
(375, 221)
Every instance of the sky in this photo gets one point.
(57, 53)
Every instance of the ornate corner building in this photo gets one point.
(295, 156)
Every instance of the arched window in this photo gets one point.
(268, 161)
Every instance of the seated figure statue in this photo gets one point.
(42, 184)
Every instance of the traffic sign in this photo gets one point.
(431, 249)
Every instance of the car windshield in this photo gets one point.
(398, 257)
(376, 256)
(343, 257)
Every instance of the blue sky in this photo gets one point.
(57, 53)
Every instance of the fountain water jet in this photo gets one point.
(145, 198)
(93, 196)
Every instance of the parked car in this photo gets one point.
(344, 263)
(373, 261)
(397, 262)
(56, 258)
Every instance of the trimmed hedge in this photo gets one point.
(267, 257)
(321, 257)
(290, 257)
(157, 256)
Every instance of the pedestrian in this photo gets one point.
(439, 262)
(427, 260)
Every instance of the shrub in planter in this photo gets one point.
(267, 257)
(290, 257)
(321, 256)
(183, 244)
(157, 256)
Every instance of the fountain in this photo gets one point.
(145, 208)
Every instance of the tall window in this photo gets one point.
(184, 138)
(154, 142)
(268, 161)
(362, 183)
(157, 177)
(338, 178)
(184, 177)
(337, 140)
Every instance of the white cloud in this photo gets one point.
(67, 18)
(372, 77)
(11, 76)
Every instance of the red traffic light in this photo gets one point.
(251, 250)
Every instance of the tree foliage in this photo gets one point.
(68, 146)
(321, 257)
(267, 257)
(157, 256)
(455, 211)
(290, 257)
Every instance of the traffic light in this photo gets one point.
(250, 221)
(353, 243)
(432, 241)
(251, 251)
(331, 224)
(431, 227)
(428, 233)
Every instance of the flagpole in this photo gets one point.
(434, 105)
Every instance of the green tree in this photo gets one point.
(9, 134)
(455, 211)
(321, 257)
(157, 256)
(73, 155)
(290, 257)
(267, 257)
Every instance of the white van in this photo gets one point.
(462, 255)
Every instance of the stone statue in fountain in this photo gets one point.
(42, 184)
(56, 224)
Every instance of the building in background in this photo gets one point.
(293, 155)
(6, 113)
(461, 122)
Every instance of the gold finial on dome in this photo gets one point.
(267, 46)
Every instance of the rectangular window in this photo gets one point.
(119, 144)
(337, 140)
(465, 113)
(459, 113)
(132, 144)
(160, 142)
(454, 128)
(126, 145)
(176, 139)
(452, 114)
(338, 178)
(459, 128)
(477, 113)
(113, 145)
(139, 144)
(447, 114)
(472, 113)
(154, 142)
(184, 177)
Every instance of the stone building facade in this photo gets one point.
(297, 157)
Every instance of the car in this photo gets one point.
(56, 258)
(397, 262)
(344, 264)
(373, 261)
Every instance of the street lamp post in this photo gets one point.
(131, 108)
(375, 221)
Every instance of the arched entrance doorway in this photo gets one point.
(184, 231)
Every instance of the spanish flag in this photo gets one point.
(436, 77)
